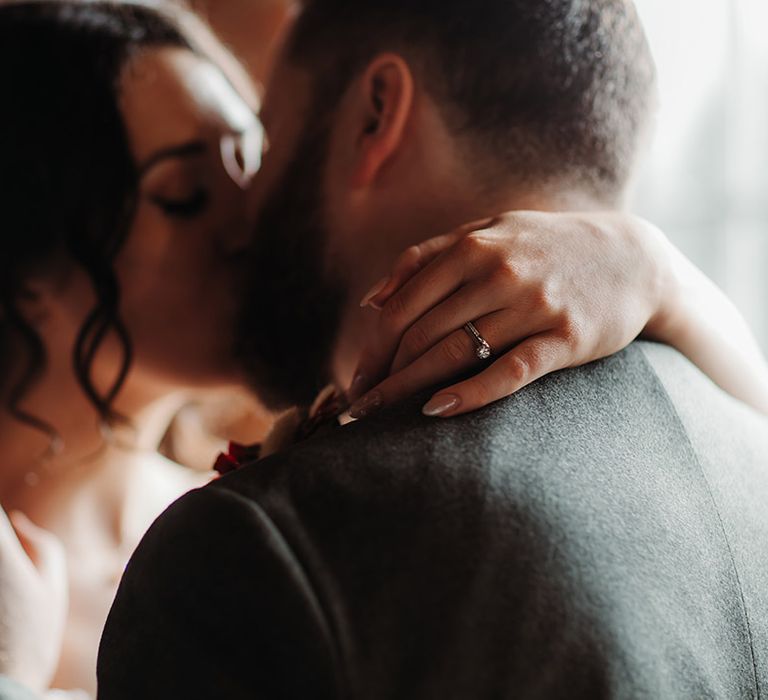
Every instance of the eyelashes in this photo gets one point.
(240, 155)
(188, 208)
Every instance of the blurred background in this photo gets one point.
(705, 181)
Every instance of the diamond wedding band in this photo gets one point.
(482, 348)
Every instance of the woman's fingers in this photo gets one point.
(435, 283)
(424, 275)
(531, 273)
(415, 259)
(11, 546)
(530, 360)
(33, 592)
(44, 549)
(408, 264)
(471, 302)
(454, 354)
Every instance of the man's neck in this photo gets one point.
(358, 325)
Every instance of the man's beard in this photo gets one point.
(290, 308)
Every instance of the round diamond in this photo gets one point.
(484, 351)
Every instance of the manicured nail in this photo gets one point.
(377, 289)
(369, 404)
(441, 405)
(357, 387)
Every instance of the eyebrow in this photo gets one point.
(183, 150)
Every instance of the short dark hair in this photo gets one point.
(543, 88)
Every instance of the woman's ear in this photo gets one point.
(386, 103)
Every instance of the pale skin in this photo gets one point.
(101, 499)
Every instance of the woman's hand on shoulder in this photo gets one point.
(33, 602)
(546, 291)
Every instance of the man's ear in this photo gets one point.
(386, 104)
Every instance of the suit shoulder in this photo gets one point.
(554, 505)
(519, 454)
(209, 579)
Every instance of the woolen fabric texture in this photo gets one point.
(603, 533)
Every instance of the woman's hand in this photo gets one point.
(547, 291)
(33, 602)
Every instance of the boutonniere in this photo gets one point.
(293, 426)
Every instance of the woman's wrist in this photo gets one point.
(666, 285)
(696, 318)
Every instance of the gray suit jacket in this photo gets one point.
(602, 534)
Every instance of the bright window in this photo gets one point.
(705, 181)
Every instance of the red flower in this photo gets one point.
(300, 425)
(235, 457)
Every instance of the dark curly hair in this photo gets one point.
(68, 181)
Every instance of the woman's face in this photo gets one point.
(196, 140)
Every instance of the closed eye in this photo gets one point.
(188, 208)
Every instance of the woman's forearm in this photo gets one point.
(696, 318)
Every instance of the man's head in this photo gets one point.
(393, 120)
(552, 89)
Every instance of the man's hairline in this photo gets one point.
(496, 179)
